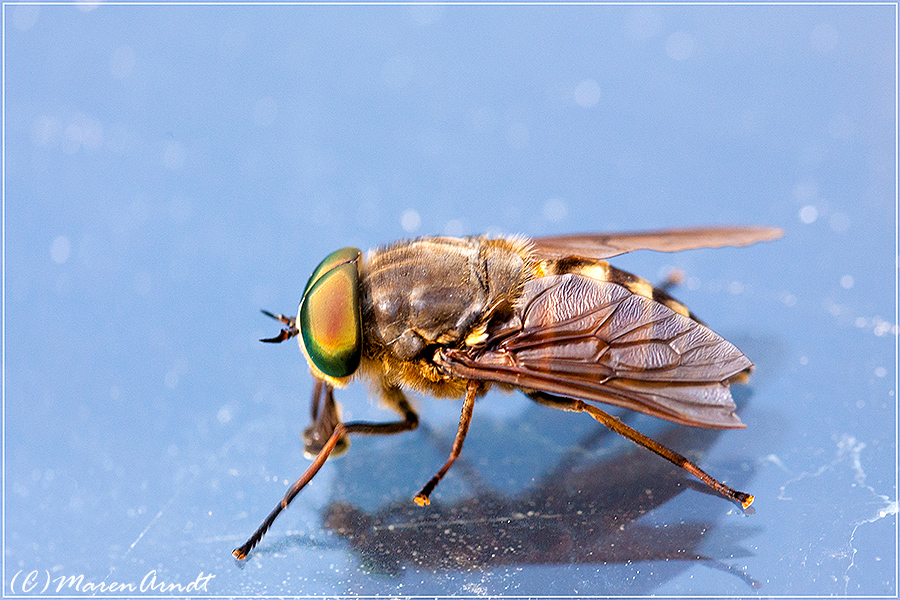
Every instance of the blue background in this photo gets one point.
(170, 170)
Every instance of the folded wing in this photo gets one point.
(581, 337)
(605, 245)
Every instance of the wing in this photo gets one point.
(599, 246)
(581, 337)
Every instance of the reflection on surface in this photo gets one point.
(581, 512)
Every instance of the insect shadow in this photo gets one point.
(583, 511)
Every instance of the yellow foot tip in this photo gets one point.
(748, 501)
(422, 500)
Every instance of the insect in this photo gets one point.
(450, 317)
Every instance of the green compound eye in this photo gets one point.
(329, 319)
(344, 255)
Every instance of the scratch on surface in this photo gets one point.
(773, 458)
(849, 452)
(799, 477)
(141, 534)
(890, 508)
(150, 524)
(849, 445)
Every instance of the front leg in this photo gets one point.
(326, 415)
(338, 431)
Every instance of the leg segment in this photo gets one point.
(398, 401)
(241, 553)
(325, 419)
(464, 418)
(637, 437)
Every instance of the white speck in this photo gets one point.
(173, 155)
(555, 210)
(587, 93)
(224, 415)
(773, 458)
(171, 380)
(890, 509)
(847, 282)
(410, 221)
(736, 287)
(24, 17)
(122, 62)
(517, 136)
(861, 322)
(264, 111)
(804, 360)
(680, 45)
(142, 283)
(823, 38)
(808, 214)
(789, 299)
(60, 250)
(453, 228)
(860, 404)
(880, 372)
(839, 222)
(881, 327)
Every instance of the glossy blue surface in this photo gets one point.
(171, 170)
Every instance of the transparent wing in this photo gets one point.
(600, 245)
(595, 340)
